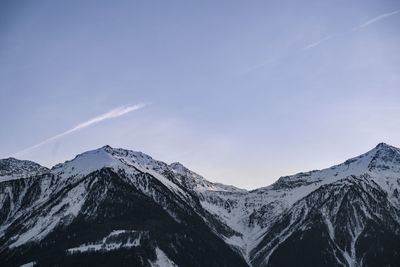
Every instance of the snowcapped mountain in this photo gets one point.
(108, 205)
(267, 217)
(12, 168)
(197, 183)
(114, 206)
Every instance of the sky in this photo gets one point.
(241, 92)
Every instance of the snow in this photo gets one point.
(198, 183)
(47, 222)
(236, 219)
(72, 172)
(331, 229)
(107, 243)
(230, 205)
(118, 159)
(169, 184)
(29, 264)
(12, 169)
(162, 260)
(381, 164)
(85, 164)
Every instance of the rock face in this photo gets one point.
(110, 207)
(12, 168)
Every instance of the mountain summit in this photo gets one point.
(12, 168)
(112, 206)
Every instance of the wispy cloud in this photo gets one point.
(374, 20)
(116, 112)
(362, 25)
(317, 43)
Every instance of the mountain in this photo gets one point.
(118, 207)
(12, 168)
(324, 217)
(108, 206)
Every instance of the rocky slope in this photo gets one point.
(12, 168)
(363, 190)
(108, 206)
(114, 206)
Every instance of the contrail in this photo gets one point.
(326, 38)
(365, 24)
(376, 19)
(116, 112)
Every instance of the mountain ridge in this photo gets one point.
(260, 226)
(174, 165)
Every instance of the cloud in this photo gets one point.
(116, 112)
(374, 20)
(362, 25)
(312, 45)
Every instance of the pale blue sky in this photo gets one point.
(241, 91)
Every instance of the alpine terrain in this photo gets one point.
(116, 207)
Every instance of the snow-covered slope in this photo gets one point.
(77, 204)
(381, 163)
(339, 218)
(197, 182)
(252, 213)
(118, 159)
(338, 209)
(67, 188)
(12, 168)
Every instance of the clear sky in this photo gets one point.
(241, 92)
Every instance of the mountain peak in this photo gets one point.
(384, 146)
(12, 168)
(106, 147)
(381, 158)
(109, 157)
(385, 157)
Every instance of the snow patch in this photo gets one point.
(68, 207)
(162, 260)
(115, 240)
